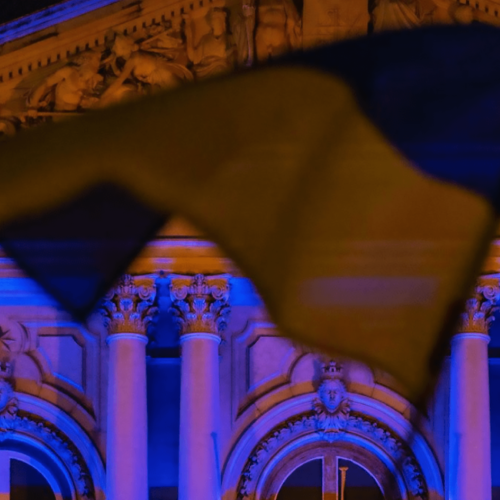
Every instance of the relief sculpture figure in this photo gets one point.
(214, 52)
(71, 87)
(279, 28)
(243, 30)
(145, 68)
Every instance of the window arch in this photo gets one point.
(332, 456)
(28, 473)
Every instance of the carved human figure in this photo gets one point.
(143, 67)
(214, 52)
(395, 14)
(279, 28)
(243, 28)
(450, 11)
(70, 87)
(167, 41)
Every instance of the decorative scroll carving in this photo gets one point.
(355, 424)
(14, 421)
(6, 339)
(13, 339)
(128, 307)
(332, 406)
(200, 303)
(480, 307)
(8, 403)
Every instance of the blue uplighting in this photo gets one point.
(48, 17)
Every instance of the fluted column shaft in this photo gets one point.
(470, 441)
(128, 308)
(200, 305)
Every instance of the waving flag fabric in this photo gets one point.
(356, 185)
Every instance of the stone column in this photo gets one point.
(469, 461)
(128, 309)
(200, 307)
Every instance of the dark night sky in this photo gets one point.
(12, 9)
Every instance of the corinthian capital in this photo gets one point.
(128, 307)
(480, 307)
(200, 303)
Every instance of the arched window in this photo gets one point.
(330, 471)
(306, 481)
(26, 482)
(26, 477)
(316, 480)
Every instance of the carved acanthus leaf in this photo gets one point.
(128, 308)
(200, 303)
(479, 308)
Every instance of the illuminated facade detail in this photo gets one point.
(470, 435)
(480, 307)
(129, 306)
(16, 424)
(8, 403)
(200, 307)
(332, 406)
(200, 303)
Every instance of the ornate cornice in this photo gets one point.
(200, 304)
(480, 307)
(14, 421)
(128, 308)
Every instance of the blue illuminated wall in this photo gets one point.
(495, 425)
(163, 427)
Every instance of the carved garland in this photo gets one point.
(355, 424)
(13, 420)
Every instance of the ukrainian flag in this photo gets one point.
(357, 185)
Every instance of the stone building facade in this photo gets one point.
(180, 386)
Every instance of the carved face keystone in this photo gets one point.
(332, 393)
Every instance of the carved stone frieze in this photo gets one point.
(203, 41)
(128, 307)
(356, 424)
(200, 304)
(332, 406)
(479, 308)
(14, 421)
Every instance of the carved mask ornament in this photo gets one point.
(332, 406)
